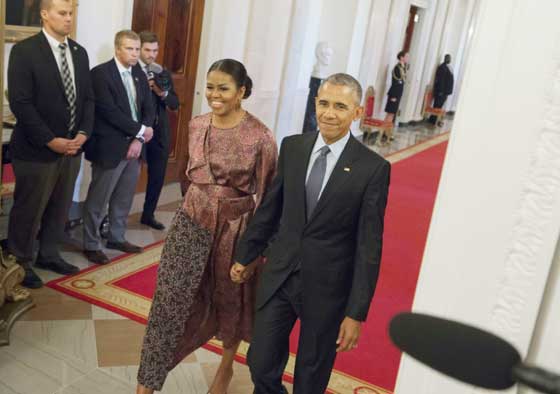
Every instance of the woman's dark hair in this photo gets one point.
(401, 54)
(237, 71)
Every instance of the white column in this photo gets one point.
(545, 348)
(496, 219)
(374, 48)
(420, 48)
(224, 35)
(265, 55)
(394, 38)
(299, 57)
(359, 35)
(462, 54)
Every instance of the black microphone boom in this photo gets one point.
(467, 353)
(537, 378)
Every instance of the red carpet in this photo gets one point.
(127, 285)
(414, 183)
(8, 179)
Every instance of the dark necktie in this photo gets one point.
(68, 87)
(315, 180)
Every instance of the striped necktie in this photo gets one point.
(127, 78)
(68, 84)
(315, 181)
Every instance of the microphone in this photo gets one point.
(154, 68)
(467, 354)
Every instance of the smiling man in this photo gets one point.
(321, 228)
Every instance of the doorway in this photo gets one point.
(178, 25)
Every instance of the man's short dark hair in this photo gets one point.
(148, 36)
(342, 79)
(401, 54)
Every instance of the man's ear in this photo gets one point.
(359, 112)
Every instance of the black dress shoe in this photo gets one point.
(59, 266)
(284, 390)
(96, 256)
(31, 280)
(125, 246)
(153, 223)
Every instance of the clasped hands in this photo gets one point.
(66, 146)
(240, 273)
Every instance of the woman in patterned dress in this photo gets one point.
(232, 160)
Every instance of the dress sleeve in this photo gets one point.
(266, 165)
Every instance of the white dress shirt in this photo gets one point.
(54, 43)
(133, 86)
(332, 157)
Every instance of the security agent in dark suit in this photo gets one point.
(51, 96)
(443, 85)
(124, 113)
(157, 150)
(321, 228)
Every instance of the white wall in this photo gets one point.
(496, 220)
(98, 22)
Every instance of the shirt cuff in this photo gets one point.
(141, 132)
(83, 133)
(165, 94)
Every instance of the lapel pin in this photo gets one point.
(347, 169)
(136, 79)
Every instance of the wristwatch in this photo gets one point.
(141, 139)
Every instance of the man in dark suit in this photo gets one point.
(321, 223)
(157, 151)
(443, 85)
(124, 115)
(51, 97)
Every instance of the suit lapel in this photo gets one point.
(119, 84)
(76, 60)
(51, 61)
(339, 176)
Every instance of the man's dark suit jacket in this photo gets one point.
(443, 83)
(37, 98)
(114, 129)
(161, 124)
(339, 248)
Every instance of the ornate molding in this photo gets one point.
(530, 234)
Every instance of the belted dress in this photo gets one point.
(228, 173)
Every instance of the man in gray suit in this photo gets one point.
(123, 111)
